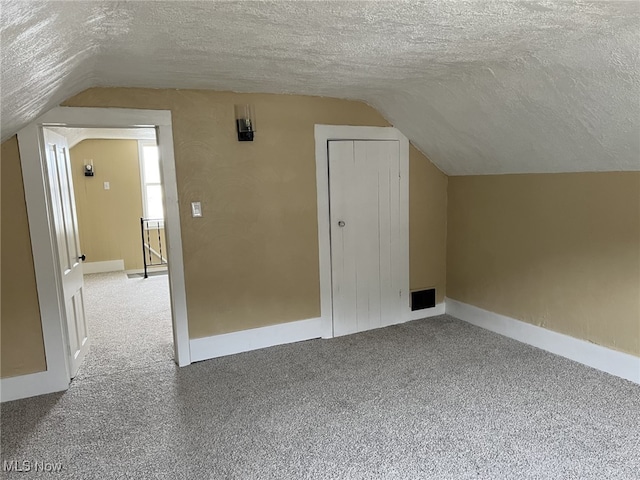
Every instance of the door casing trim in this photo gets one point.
(48, 281)
(324, 134)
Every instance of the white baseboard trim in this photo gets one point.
(439, 309)
(254, 339)
(103, 267)
(596, 356)
(30, 385)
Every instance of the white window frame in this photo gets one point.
(143, 184)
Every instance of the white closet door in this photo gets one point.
(364, 189)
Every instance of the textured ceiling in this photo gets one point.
(479, 86)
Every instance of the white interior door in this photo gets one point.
(68, 243)
(364, 192)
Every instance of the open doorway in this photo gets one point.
(117, 187)
(119, 201)
(48, 243)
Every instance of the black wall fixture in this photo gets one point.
(245, 122)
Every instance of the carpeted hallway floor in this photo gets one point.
(130, 324)
(434, 398)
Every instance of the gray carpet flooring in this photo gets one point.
(130, 324)
(430, 399)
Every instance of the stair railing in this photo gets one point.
(152, 256)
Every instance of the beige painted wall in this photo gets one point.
(109, 220)
(561, 251)
(252, 259)
(22, 347)
(427, 225)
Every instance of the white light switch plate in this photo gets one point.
(196, 209)
(107, 186)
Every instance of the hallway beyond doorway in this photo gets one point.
(129, 323)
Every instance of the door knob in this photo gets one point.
(341, 223)
(83, 257)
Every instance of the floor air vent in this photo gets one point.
(422, 299)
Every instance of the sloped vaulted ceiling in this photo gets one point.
(479, 86)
